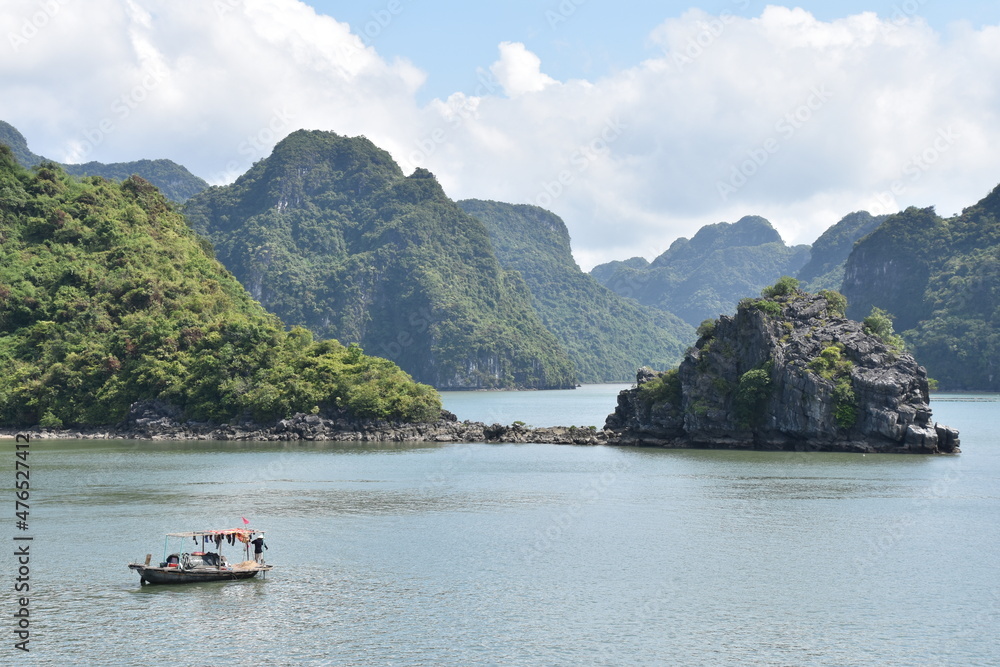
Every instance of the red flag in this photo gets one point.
(245, 522)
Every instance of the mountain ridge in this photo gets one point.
(701, 277)
(174, 180)
(109, 300)
(606, 335)
(329, 234)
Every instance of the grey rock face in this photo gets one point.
(787, 374)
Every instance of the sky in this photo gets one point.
(636, 122)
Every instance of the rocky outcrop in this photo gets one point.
(154, 420)
(786, 373)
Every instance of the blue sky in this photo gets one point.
(450, 39)
(636, 122)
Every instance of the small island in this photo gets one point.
(788, 372)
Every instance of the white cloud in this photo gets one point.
(519, 70)
(212, 85)
(783, 115)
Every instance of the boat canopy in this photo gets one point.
(213, 533)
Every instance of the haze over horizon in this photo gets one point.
(636, 127)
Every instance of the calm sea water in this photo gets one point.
(519, 554)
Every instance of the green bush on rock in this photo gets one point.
(879, 324)
(752, 395)
(836, 302)
(831, 365)
(665, 388)
(785, 286)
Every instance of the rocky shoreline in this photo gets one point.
(153, 421)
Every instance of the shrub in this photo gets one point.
(706, 329)
(786, 285)
(879, 324)
(49, 420)
(770, 308)
(846, 405)
(664, 389)
(830, 363)
(836, 303)
(752, 395)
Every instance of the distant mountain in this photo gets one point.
(328, 233)
(828, 255)
(173, 180)
(940, 278)
(13, 139)
(606, 335)
(603, 273)
(108, 299)
(705, 276)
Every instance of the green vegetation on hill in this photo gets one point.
(828, 255)
(701, 277)
(606, 335)
(175, 181)
(10, 137)
(940, 279)
(328, 233)
(107, 297)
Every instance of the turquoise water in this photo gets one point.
(520, 554)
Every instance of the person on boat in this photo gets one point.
(258, 548)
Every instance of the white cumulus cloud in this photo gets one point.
(519, 70)
(782, 115)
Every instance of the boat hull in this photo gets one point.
(173, 575)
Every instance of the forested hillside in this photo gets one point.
(174, 181)
(107, 297)
(328, 233)
(828, 255)
(607, 336)
(940, 278)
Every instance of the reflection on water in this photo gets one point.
(523, 554)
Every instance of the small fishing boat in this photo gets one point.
(204, 561)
